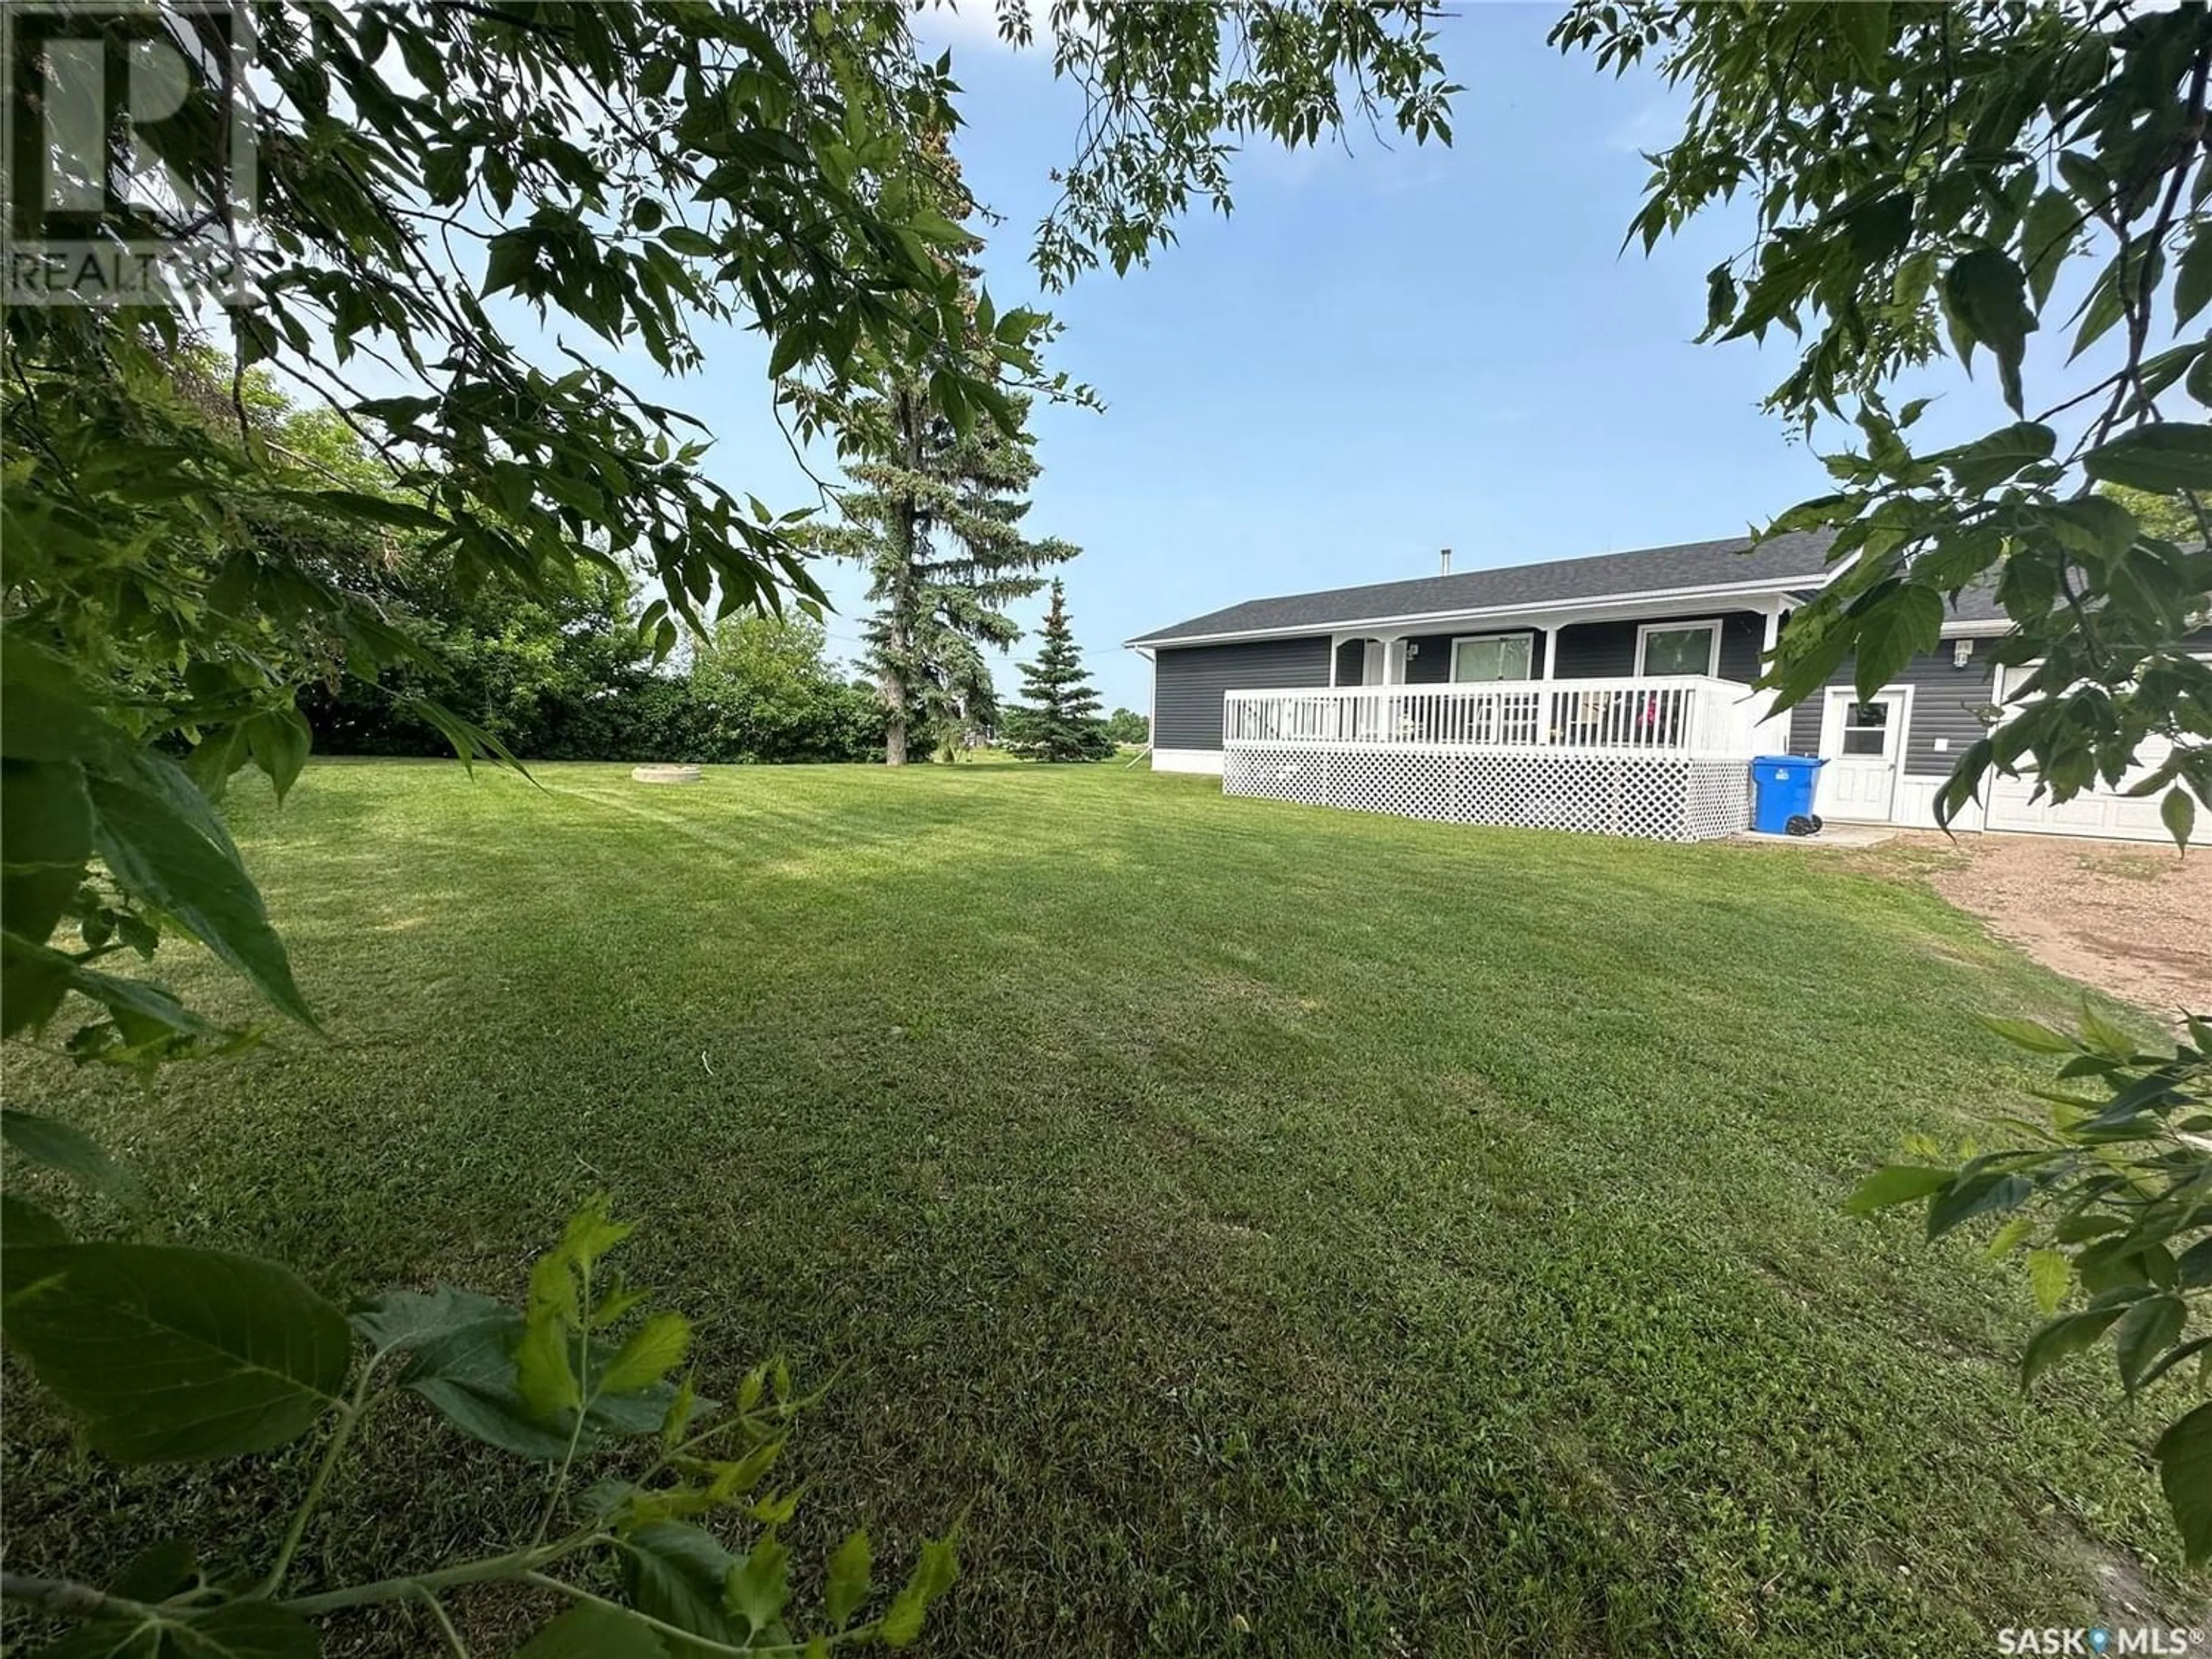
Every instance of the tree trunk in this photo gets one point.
(895, 741)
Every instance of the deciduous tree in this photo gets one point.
(632, 172)
(1933, 179)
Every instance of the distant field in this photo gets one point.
(1291, 1233)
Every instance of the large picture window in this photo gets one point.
(1492, 657)
(1678, 648)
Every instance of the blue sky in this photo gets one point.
(1382, 353)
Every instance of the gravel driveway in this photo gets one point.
(2134, 918)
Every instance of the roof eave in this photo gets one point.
(1771, 587)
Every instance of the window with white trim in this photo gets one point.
(1867, 729)
(1678, 648)
(1492, 657)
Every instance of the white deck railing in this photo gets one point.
(1689, 716)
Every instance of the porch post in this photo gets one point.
(1771, 733)
(1551, 645)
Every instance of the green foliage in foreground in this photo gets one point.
(1933, 180)
(2114, 1197)
(170, 1354)
(1292, 1232)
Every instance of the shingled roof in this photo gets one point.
(1791, 562)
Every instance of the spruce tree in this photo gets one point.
(935, 518)
(1058, 717)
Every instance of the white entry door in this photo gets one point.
(1862, 741)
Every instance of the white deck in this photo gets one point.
(1663, 758)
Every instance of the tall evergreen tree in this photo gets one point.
(936, 522)
(941, 488)
(1057, 719)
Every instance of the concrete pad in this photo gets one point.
(1840, 835)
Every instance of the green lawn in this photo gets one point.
(1291, 1232)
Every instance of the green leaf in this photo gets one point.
(676, 1573)
(2165, 458)
(1863, 25)
(134, 997)
(2071, 1334)
(43, 713)
(64, 1147)
(2184, 1469)
(171, 1353)
(23, 1222)
(594, 1632)
(1896, 1183)
(653, 1350)
(932, 1577)
(467, 1370)
(2049, 1273)
(681, 239)
(2031, 1035)
(414, 1319)
(2101, 1034)
(2194, 1270)
(240, 1630)
(1720, 298)
(278, 741)
(158, 854)
(508, 262)
(1980, 466)
(33, 980)
(2199, 1349)
(378, 509)
(45, 840)
(2192, 277)
(2146, 1330)
(2007, 1238)
(2046, 238)
(1896, 623)
(757, 1588)
(2177, 811)
(545, 1370)
(1982, 1193)
(850, 1564)
(157, 1573)
(2094, 527)
(1985, 296)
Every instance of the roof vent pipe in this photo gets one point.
(1446, 571)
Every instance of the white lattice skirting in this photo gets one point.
(1655, 798)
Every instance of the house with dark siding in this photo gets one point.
(1611, 694)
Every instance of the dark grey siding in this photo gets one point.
(1607, 650)
(1946, 703)
(1350, 661)
(1188, 681)
(1428, 660)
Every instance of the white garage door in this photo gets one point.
(2108, 812)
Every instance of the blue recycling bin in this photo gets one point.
(1781, 789)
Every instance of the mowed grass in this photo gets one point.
(1282, 1233)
